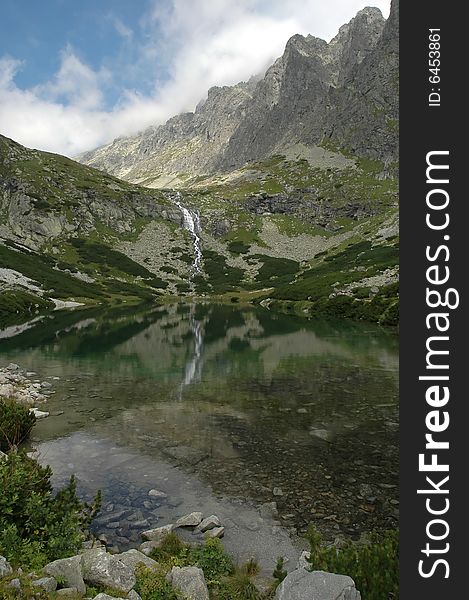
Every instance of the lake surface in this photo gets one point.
(222, 406)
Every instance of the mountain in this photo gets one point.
(286, 185)
(311, 96)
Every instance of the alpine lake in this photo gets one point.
(222, 409)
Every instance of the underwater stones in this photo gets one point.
(158, 494)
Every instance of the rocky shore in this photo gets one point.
(25, 388)
(98, 568)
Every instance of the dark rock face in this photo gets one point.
(344, 92)
(363, 114)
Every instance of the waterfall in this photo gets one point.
(193, 368)
(191, 222)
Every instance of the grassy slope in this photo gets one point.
(338, 212)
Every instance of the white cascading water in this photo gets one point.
(192, 224)
(193, 370)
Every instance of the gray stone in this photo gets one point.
(190, 582)
(158, 533)
(216, 532)
(103, 596)
(303, 561)
(5, 567)
(191, 520)
(277, 491)
(157, 494)
(132, 558)
(101, 568)
(316, 585)
(68, 570)
(15, 584)
(49, 584)
(132, 595)
(68, 592)
(147, 547)
(208, 523)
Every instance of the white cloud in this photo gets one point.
(202, 43)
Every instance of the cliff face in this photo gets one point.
(344, 92)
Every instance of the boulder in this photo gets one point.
(103, 596)
(191, 520)
(103, 569)
(132, 558)
(68, 570)
(147, 547)
(216, 532)
(48, 584)
(303, 562)
(132, 595)
(316, 585)
(69, 592)
(157, 534)
(5, 567)
(209, 523)
(189, 581)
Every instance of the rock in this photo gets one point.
(147, 547)
(39, 414)
(68, 570)
(158, 533)
(189, 581)
(277, 491)
(15, 584)
(5, 567)
(3, 455)
(103, 596)
(68, 592)
(303, 561)
(132, 595)
(157, 494)
(132, 558)
(191, 520)
(101, 568)
(302, 411)
(316, 585)
(48, 584)
(216, 532)
(104, 539)
(13, 367)
(268, 510)
(208, 523)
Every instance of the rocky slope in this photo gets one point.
(315, 94)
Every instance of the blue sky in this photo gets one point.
(75, 74)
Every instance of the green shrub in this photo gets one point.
(16, 423)
(237, 587)
(152, 585)
(37, 526)
(213, 560)
(279, 573)
(374, 567)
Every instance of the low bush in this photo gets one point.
(16, 423)
(374, 567)
(37, 526)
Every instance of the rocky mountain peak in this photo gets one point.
(309, 94)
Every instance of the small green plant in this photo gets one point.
(152, 585)
(374, 567)
(279, 573)
(213, 560)
(172, 551)
(16, 423)
(237, 587)
(37, 526)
